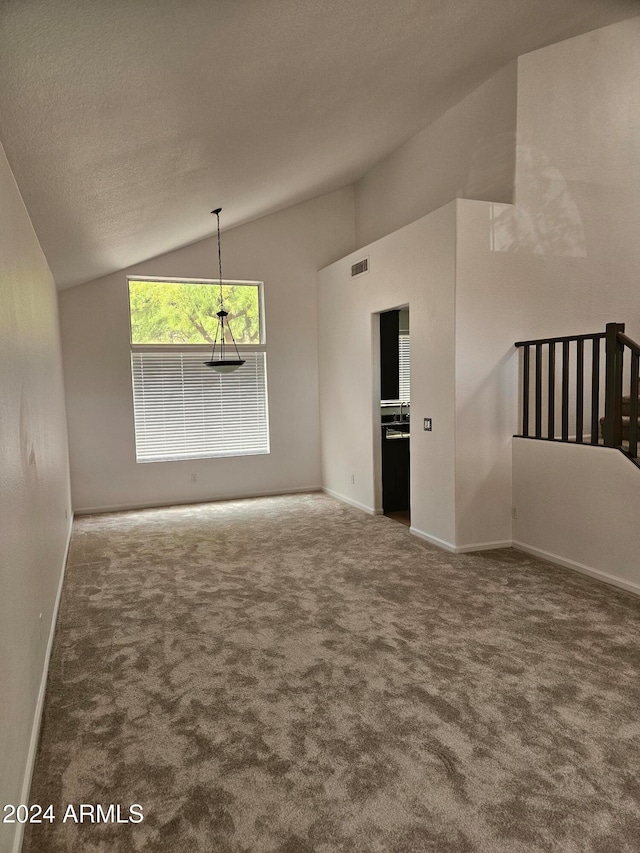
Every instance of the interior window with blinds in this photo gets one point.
(405, 367)
(183, 409)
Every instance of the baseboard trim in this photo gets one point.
(37, 717)
(483, 546)
(612, 580)
(459, 549)
(433, 540)
(345, 500)
(98, 510)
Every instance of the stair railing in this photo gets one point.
(625, 344)
(556, 373)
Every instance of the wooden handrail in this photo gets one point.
(562, 381)
(629, 343)
(593, 336)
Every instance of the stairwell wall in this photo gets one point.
(578, 506)
(562, 260)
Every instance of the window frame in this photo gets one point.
(259, 347)
(205, 349)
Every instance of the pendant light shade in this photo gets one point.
(223, 362)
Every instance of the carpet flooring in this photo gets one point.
(289, 674)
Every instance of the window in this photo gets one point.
(404, 371)
(405, 367)
(183, 409)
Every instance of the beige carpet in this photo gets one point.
(289, 674)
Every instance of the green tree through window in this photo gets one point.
(185, 313)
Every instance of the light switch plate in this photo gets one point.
(428, 425)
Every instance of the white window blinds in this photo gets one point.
(184, 410)
(404, 394)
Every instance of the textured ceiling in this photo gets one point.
(127, 121)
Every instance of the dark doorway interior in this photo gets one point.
(395, 423)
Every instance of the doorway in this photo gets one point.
(395, 413)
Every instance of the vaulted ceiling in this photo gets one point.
(126, 121)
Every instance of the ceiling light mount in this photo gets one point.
(221, 363)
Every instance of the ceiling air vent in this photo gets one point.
(360, 268)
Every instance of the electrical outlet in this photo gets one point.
(194, 478)
(428, 425)
(514, 512)
(353, 479)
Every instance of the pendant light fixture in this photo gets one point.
(221, 363)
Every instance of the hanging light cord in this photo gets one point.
(217, 213)
(222, 313)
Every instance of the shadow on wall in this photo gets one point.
(547, 221)
(492, 166)
(31, 443)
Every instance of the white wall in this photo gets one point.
(416, 266)
(578, 160)
(35, 507)
(563, 260)
(490, 313)
(284, 250)
(578, 506)
(469, 152)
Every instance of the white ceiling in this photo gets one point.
(127, 121)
